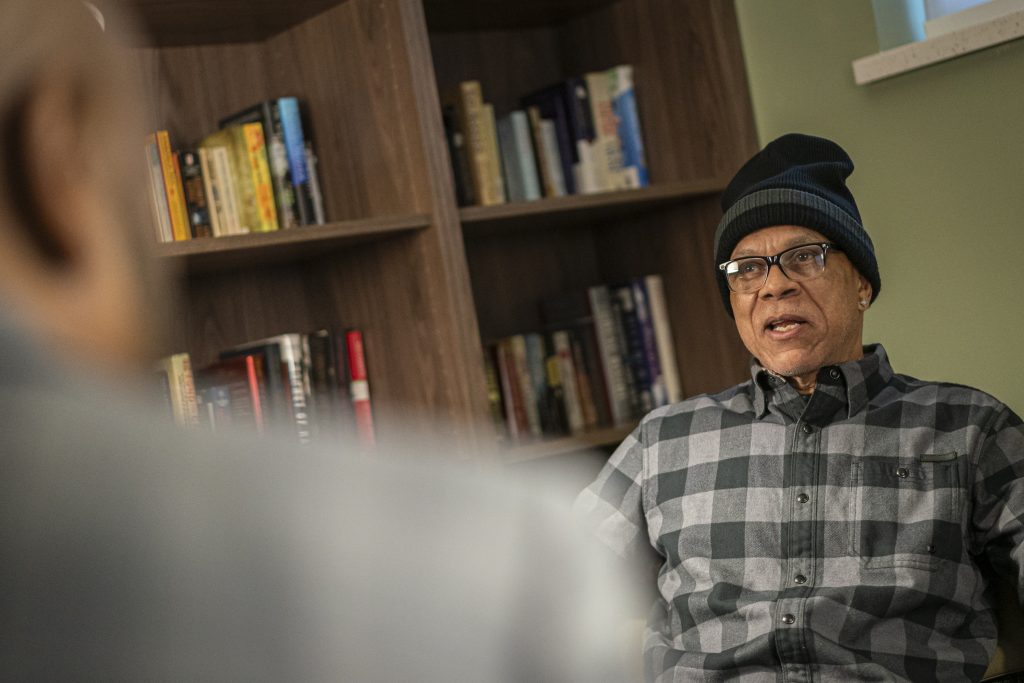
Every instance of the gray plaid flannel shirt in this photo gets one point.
(844, 538)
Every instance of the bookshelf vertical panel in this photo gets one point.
(691, 85)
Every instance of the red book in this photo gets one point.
(359, 386)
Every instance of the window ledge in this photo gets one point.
(938, 49)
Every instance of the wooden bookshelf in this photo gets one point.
(311, 241)
(425, 280)
(578, 209)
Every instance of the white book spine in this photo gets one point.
(663, 335)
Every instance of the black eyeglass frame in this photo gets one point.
(777, 260)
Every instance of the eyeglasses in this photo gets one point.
(805, 262)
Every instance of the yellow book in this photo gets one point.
(173, 187)
(263, 184)
(239, 177)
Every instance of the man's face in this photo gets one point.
(795, 328)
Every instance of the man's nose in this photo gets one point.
(778, 285)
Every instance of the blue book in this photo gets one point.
(295, 148)
(624, 105)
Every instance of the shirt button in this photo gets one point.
(902, 472)
(800, 579)
(788, 619)
(834, 373)
(806, 428)
(802, 498)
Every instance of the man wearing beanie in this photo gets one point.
(828, 519)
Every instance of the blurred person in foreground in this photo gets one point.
(133, 551)
(828, 519)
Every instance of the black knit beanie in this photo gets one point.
(795, 180)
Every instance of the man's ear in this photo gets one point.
(54, 167)
(864, 291)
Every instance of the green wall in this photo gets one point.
(939, 181)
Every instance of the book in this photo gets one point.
(268, 114)
(495, 174)
(551, 105)
(607, 147)
(581, 130)
(527, 388)
(633, 348)
(328, 377)
(299, 151)
(359, 385)
(651, 356)
(494, 391)
(173, 187)
(158, 194)
(520, 165)
(212, 191)
(572, 311)
(545, 395)
(275, 394)
(548, 158)
(466, 100)
(248, 174)
(515, 190)
(512, 400)
(181, 388)
(609, 345)
(634, 165)
(233, 392)
(313, 177)
(527, 159)
(562, 345)
(459, 157)
(195, 194)
(259, 167)
(663, 333)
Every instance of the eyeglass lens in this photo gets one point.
(799, 263)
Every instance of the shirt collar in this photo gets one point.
(855, 385)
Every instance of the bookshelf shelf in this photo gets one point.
(220, 253)
(580, 209)
(550, 448)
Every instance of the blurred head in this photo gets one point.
(74, 249)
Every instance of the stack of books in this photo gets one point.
(578, 136)
(257, 173)
(312, 386)
(605, 358)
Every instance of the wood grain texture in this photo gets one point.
(508, 63)
(691, 85)
(513, 272)
(544, 214)
(198, 22)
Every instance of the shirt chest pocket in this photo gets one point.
(906, 513)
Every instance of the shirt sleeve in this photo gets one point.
(998, 515)
(612, 506)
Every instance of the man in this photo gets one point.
(827, 520)
(132, 551)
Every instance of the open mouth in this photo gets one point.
(784, 324)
